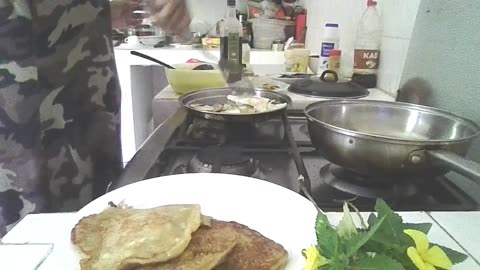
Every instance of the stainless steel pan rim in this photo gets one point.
(280, 98)
(219, 95)
(390, 139)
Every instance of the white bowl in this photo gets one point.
(150, 40)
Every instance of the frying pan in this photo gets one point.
(392, 139)
(219, 96)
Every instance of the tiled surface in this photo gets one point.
(392, 60)
(205, 13)
(399, 17)
(398, 22)
(464, 228)
(59, 224)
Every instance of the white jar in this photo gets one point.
(330, 41)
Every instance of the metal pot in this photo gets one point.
(219, 96)
(392, 139)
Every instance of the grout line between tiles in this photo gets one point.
(396, 37)
(455, 240)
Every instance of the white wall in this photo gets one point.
(398, 21)
(210, 11)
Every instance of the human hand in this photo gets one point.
(170, 15)
(122, 13)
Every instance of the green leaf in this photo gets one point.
(454, 256)
(360, 239)
(423, 227)
(327, 238)
(391, 232)
(377, 262)
(346, 228)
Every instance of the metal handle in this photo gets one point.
(457, 163)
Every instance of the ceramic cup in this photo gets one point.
(132, 40)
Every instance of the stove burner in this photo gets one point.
(364, 186)
(222, 159)
(220, 131)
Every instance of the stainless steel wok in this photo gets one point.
(392, 139)
(219, 96)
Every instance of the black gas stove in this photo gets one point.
(278, 151)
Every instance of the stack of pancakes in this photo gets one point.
(171, 237)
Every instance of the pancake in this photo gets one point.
(253, 250)
(117, 239)
(208, 248)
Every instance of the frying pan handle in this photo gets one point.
(457, 163)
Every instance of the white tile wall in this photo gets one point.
(206, 13)
(392, 60)
(398, 21)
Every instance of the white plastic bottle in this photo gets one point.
(368, 42)
(330, 41)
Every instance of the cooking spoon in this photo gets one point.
(199, 67)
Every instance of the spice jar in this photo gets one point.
(334, 62)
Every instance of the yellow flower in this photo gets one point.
(425, 257)
(314, 259)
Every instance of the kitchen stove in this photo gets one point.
(278, 151)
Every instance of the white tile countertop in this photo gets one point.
(450, 229)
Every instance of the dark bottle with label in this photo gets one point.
(231, 44)
(367, 47)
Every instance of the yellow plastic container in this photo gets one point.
(183, 79)
(296, 60)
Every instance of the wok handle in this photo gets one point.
(457, 163)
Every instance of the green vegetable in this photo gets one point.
(382, 245)
(346, 228)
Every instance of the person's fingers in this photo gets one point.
(176, 20)
(181, 27)
(171, 15)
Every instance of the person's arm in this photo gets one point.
(170, 15)
(122, 13)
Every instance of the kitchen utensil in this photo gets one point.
(290, 220)
(132, 41)
(313, 62)
(151, 40)
(151, 59)
(392, 139)
(219, 96)
(328, 88)
(278, 45)
(187, 78)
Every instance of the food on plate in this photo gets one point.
(208, 248)
(119, 238)
(171, 237)
(253, 251)
(270, 86)
(241, 105)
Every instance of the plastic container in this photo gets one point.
(183, 79)
(330, 41)
(245, 52)
(265, 31)
(368, 41)
(297, 58)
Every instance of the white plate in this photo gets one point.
(276, 212)
(258, 82)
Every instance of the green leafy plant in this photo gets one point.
(386, 243)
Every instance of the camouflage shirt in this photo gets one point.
(59, 106)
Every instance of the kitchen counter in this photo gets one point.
(457, 230)
(165, 103)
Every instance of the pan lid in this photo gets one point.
(328, 88)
